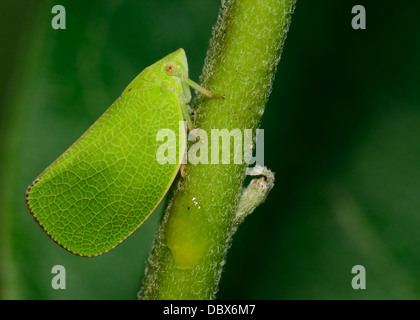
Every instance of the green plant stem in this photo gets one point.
(196, 230)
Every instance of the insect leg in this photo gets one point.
(187, 118)
(204, 91)
(183, 170)
(186, 114)
(190, 110)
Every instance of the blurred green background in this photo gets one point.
(342, 133)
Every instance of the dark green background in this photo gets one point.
(342, 130)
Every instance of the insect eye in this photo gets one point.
(170, 68)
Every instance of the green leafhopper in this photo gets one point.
(105, 185)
